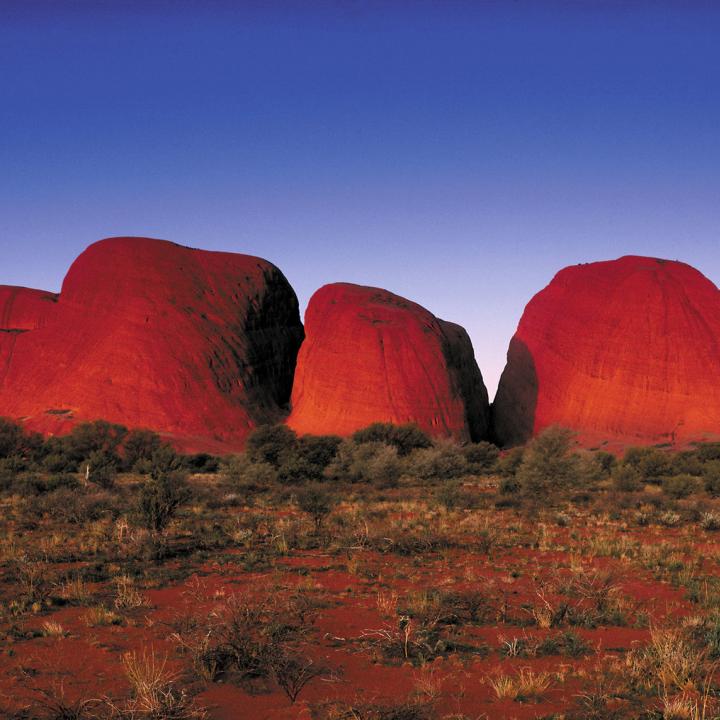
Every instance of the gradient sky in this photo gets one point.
(455, 153)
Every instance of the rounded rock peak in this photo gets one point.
(625, 349)
(370, 355)
(196, 344)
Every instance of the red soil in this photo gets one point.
(627, 349)
(371, 356)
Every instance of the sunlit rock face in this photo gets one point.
(23, 309)
(372, 356)
(198, 345)
(625, 350)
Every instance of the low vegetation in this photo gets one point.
(383, 577)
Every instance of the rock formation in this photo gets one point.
(198, 345)
(623, 350)
(371, 356)
(24, 309)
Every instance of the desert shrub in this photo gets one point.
(77, 506)
(160, 499)
(86, 438)
(449, 495)
(307, 460)
(405, 438)
(606, 462)
(707, 452)
(444, 461)
(627, 478)
(271, 444)
(548, 466)
(652, 463)
(201, 463)
(56, 459)
(32, 485)
(481, 457)
(241, 471)
(101, 468)
(371, 462)
(164, 461)
(11, 438)
(679, 486)
(509, 462)
(317, 502)
(138, 447)
(247, 634)
(686, 462)
(711, 477)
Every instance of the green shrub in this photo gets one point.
(707, 451)
(271, 444)
(164, 461)
(371, 462)
(317, 502)
(679, 486)
(138, 447)
(405, 438)
(548, 467)
(711, 477)
(606, 461)
(509, 462)
(481, 457)
(240, 470)
(627, 478)
(449, 495)
(653, 464)
(444, 461)
(160, 499)
(201, 463)
(101, 468)
(308, 459)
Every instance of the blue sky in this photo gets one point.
(455, 153)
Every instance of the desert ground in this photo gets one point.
(382, 577)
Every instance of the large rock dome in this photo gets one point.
(372, 356)
(624, 350)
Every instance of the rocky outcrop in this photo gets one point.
(23, 309)
(198, 345)
(372, 356)
(622, 350)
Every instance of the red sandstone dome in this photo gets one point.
(198, 345)
(623, 350)
(371, 356)
(24, 309)
(21, 309)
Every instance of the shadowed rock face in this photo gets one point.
(371, 356)
(627, 349)
(199, 345)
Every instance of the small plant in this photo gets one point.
(154, 694)
(317, 502)
(51, 628)
(710, 521)
(679, 486)
(127, 596)
(100, 616)
(526, 685)
(160, 499)
(292, 673)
